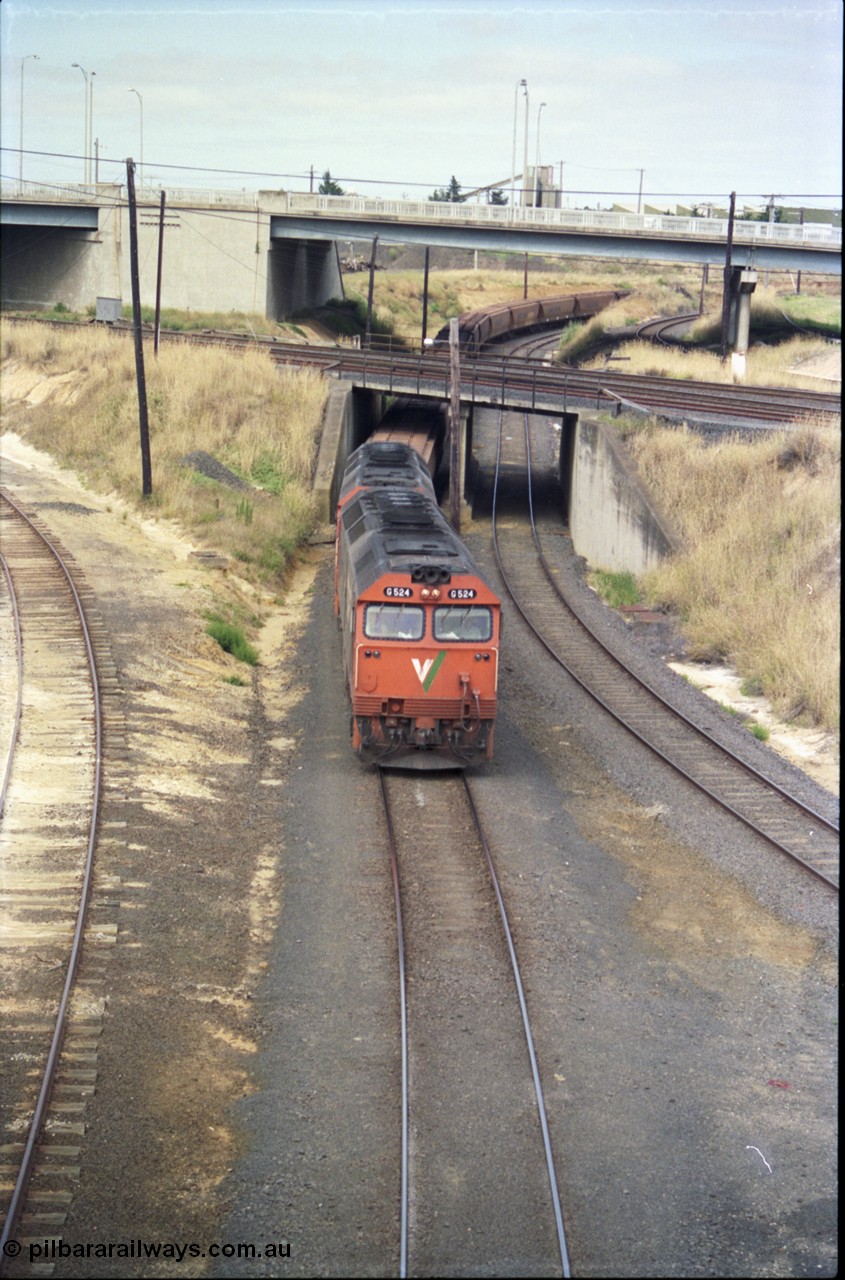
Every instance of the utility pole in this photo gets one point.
(771, 208)
(370, 293)
(801, 223)
(158, 272)
(425, 300)
(146, 467)
(455, 425)
(726, 287)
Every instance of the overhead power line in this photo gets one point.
(390, 182)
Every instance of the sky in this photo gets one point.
(394, 97)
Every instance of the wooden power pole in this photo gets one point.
(455, 425)
(146, 466)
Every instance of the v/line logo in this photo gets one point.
(426, 671)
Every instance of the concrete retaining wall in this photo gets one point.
(348, 419)
(613, 520)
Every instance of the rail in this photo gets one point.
(281, 203)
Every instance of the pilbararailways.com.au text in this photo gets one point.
(50, 1250)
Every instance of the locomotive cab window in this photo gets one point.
(470, 622)
(393, 622)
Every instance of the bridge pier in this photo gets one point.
(742, 285)
(301, 274)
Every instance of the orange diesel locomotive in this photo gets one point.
(420, 624)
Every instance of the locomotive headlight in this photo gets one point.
(435, 595)
(426, 593)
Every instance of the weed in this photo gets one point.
(237, 680)
(752, 687)
(233, 640)
(615, 589)
(757, 579)
(760, 732)
(235, 405)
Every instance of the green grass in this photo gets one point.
(615, 589)
(233, 640)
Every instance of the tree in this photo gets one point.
(328, 187)
(450, 194)
(497, 196)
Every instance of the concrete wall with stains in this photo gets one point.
(614, 522)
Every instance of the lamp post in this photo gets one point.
(537, 164)
(521, 84)
(79, 67)
(525, 151)
(141, 105)
(90, 149)
(20, 166)
(640, 196)
(560, 185)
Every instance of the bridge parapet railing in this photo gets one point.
(821, 235)
(571, 219)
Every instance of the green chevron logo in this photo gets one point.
(428, 670)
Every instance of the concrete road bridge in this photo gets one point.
(276, 251)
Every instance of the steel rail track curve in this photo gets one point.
(21, 1185)
(16, 726)
(770, 789)
(526, 1024)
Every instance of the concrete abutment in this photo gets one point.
(614, 522)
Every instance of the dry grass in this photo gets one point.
(260, 423)
(398, 295)
(757, 584)
(765, 365)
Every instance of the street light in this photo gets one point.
(141, 105)
(91, 128)
(522, 84)
(537, 165)
(20, 167)
(85, 135)
(525, 152)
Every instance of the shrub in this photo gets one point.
(233, 640)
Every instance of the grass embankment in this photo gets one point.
(398, 295)
(757, 582)
(260, 423)
(769, 363)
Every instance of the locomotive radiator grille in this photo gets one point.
(439, 708)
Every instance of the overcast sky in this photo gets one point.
(396, 96)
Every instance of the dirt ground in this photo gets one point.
(194, 921)
(194, 849)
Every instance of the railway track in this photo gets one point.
(478, 1183)
(805, 836)
(52, 734)
(656, 330)
(488, 379)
